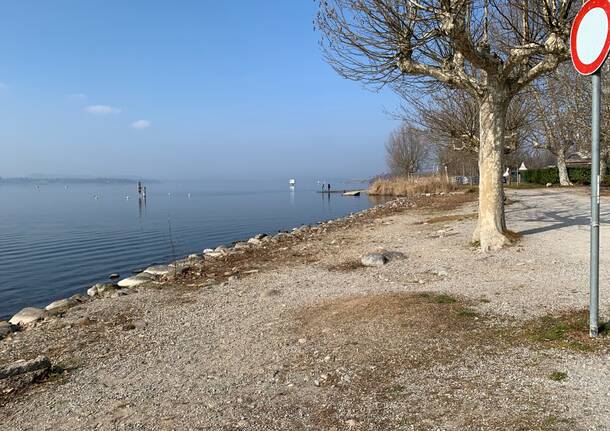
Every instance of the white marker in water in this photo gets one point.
(188, 195)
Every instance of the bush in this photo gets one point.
(541, 176)
(578, 175)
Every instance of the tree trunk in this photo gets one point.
(603, 164)
(491, 225)
(564, 179)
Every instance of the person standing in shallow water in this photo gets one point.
(328, 187)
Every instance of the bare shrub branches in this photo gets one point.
(406, 150)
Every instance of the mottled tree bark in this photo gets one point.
(564, 179)
(491, 224)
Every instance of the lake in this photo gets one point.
(57, 240)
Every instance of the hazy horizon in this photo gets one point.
(215, 90)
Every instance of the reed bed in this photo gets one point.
(410, 186)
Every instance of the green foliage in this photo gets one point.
(577, 174)
(541, 176)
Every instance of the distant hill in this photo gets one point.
(70, 180)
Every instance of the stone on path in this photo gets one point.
(28, 315)
(374, 259)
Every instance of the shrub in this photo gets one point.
(577, 174)
(541, 176)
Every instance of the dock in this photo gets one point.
(343, 192)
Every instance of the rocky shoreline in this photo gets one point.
(211, 267)
(300, 332)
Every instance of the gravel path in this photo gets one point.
(320, 342)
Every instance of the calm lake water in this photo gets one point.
(59, 240)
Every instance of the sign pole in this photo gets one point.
(595, 181)
(590, 46)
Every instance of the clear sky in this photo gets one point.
(185, 89)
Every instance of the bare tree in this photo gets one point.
(451, 117)
(560, 106)
(492, 49)
(406, 150)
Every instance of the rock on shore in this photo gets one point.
(27, 316)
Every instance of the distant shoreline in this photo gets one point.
(59, 180)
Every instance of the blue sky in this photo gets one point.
(183, 89)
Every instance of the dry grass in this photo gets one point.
(412, 186)
(392, 361)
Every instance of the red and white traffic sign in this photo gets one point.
(590, 38)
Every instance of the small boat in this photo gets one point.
(292, 182)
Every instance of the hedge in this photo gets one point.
(577, 175)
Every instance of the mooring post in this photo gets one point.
(595, 181)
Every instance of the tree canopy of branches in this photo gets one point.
(491, 49)
(406, 150)
(561, 105)
(451, 117)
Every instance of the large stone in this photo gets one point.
(62, 304)
(374, 259)
(102, 288)
(240, 245)
(27, 316)
(213, 254)
(136, 280)
(158, 269)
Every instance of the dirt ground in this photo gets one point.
(297, 335)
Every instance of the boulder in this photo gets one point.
(102, 288)
(240, 245)
(221, 248)
(136, 280)
(208, 250)
(27, 316)
(61, 304)
(254, 241)
(214, 254)
(193, 256)
(158, 269)
(373, 259)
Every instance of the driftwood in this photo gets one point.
(22, 367)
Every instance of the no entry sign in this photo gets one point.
(590, 37)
